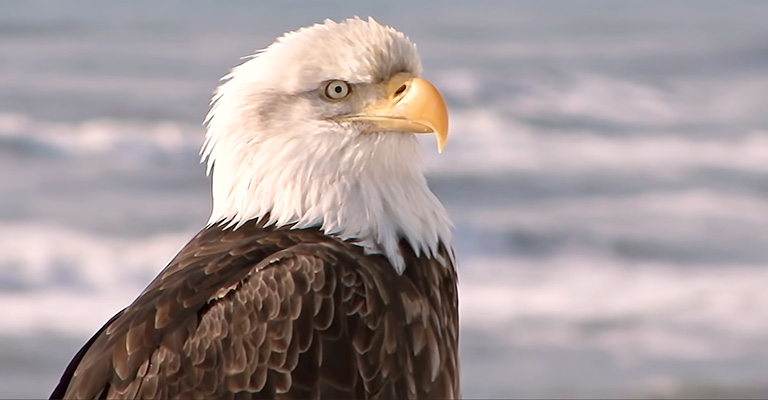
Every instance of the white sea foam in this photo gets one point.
(486, 142)
(710, 103)
(581, 122)
(631, 309)
(101, 137)
(63, 280)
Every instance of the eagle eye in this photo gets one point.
(336, 90)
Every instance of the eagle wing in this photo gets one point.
(270, 314)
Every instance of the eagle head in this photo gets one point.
(318, 130)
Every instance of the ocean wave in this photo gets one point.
(98, 137)
(725, 104)
(488, 142)
(629, 309)
(687, 228)
(59, 280)
(665, 214)
(483, 140)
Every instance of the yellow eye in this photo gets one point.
(336, 90)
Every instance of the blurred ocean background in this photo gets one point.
(607, 174)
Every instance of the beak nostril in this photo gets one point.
(400, 90)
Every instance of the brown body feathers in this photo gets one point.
(271, 313)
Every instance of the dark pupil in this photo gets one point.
(337, 89)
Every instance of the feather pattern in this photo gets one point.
(266, 312)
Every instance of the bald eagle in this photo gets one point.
(326, 268)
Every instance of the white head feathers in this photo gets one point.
(272, 148)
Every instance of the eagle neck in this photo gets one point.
(369, 190)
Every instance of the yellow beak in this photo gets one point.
(411, 105)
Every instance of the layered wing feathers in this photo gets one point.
(278, 313)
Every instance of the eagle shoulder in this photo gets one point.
(276, 313)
